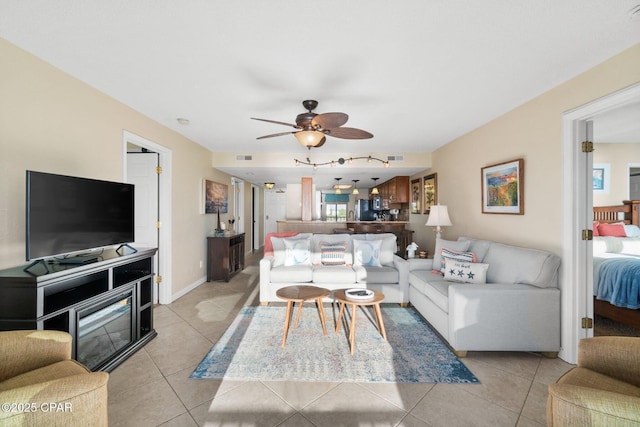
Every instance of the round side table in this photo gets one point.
(300, 294)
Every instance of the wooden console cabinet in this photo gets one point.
(225, 256)
(106, 305)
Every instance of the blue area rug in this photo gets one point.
(251, 349)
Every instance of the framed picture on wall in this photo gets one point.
(416, 196)
(216, 197)
(503, 188)
(601, 178)
(430, 191)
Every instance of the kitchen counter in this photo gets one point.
(341, 226)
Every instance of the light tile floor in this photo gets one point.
(153, 388)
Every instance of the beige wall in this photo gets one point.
(619, 157)
(532, 132)
(52, 122)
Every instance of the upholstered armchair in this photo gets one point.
(41, 385)
(603, 390)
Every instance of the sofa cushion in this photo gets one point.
(297, 252)
(367, 253)
(318, 241)
(433, 286)
(384, 274)
(388, 246)
(268, 244)
(292, 274)
(465, 272)
(511, 264)
(461, 246)
(478, 247)
(336, 274)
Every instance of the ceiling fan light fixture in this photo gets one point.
(309, 138)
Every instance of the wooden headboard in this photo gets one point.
(630, 213)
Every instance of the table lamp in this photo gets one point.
(438, 217)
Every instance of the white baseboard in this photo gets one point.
(188, 289)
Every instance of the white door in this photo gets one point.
(275, 209)
(141, 171)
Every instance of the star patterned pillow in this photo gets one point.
(465, 272)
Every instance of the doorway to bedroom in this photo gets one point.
(616, 178)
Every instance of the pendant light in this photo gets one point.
(355, 186)
(374, 190)
(337, 186)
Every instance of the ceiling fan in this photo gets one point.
(312, 128)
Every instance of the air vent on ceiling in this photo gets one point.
(244, 157)
(396, 158)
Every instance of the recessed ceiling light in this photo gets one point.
(183, 121)
(634, 13)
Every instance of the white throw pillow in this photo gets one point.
(367, 253)
(297, 252)
(465, 272)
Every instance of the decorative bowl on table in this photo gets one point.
(359, 294)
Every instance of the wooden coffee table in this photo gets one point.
(375, 301)
(301, 293)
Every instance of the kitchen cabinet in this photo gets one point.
(395, 190)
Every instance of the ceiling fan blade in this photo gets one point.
(349, 133)
(275, 134)
(330, 120)
(277, 122)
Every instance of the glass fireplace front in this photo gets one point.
(104, 329)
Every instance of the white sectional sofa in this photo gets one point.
(517, 309)
(334, 261)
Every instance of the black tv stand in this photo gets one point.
(75, 298)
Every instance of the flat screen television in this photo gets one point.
(66, 214)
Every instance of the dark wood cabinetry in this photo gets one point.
(225, 256)
(106, 306)
(396, 190)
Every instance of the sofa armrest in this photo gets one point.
(402, 265)
(569, 404)
(615, 357)
(420, 264)
(499, 317)
(266, 264)
(23, 351)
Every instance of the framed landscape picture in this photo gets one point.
(502, 188)
(216, 197)
(416, 196)
(430, 191)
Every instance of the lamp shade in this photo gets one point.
(309, 138)
(438, 216)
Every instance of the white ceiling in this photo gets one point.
(416, 73)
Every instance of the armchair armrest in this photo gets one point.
(83, 396)
(575, 405)
(23, 351)
(616, 357)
